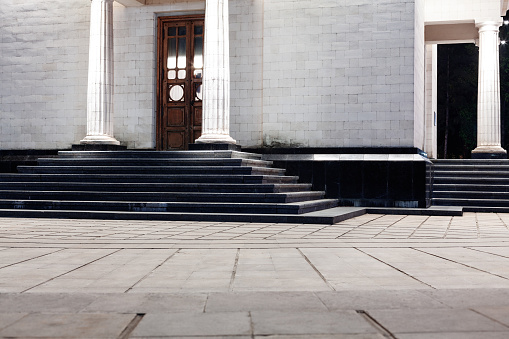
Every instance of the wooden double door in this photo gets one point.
(179, 87)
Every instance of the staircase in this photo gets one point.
(179, 185)
(477, 185)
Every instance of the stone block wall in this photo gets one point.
(338, 73)
(43, 73)
(312, 73)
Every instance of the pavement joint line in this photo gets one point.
(234, 271)
(495, 254)
(74, 269)
(487, 316)
(152, 271)
(126, 333)
(477, 226)
(422, 223)
(39, 256)
(318, 230)
(394, 267)
(373, 322)
(316, 270)
(251, 325)
(448, 227)
(206, 302)
(364, 223)
(498, 215)
(462, 264)
(388, 226)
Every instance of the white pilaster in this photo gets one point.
(100, 75)
(488, 101)
(431, 101)
(216, 75)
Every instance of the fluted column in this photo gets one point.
(488, 101)
(216, 75)
(100, 75)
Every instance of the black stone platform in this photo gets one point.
(401, 178)
(220, 185)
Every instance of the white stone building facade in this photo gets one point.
(302, 73)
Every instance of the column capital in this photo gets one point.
(489, 25)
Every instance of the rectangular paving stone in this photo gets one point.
(309, 323)
(194, 324)
(115, 273)
(263, 301)
(434, 321)
(350, 269)
(45, 303)
(148, 303)
(97, 326)
(470, 298)
(434, 271)
(500, 314)
(7, 319)
(370, 300)
(455, 335)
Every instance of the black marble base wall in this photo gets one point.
(11, 159)
(376, 179)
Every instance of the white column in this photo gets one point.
(488, 101)
(100, 75)
(216, 75)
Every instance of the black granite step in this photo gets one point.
(164, 196)
(184, 162)
(158, 154)
(471, 174)
(231, 170)
(462, 162)
(181, 207)
(486, 194)
(470, 202)
(180, 185)
(467, 168)
(492, 181)
(466, 187)
(150, 178)
(154, 187)
(476, 184)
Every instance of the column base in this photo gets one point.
(215, 139)
(98, 147)
(99, 140)
(489, 152)
(214, 147)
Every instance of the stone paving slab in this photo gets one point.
(374, 276)
(40, 325)
(194, 324)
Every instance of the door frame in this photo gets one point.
(159, 68)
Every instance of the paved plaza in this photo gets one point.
(374, 276)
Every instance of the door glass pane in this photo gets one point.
(182, 30)
(198, 30)
(182, 74)
(172, 31)
(172, 74)
(198, 52)
(182, 53)
(172, 53)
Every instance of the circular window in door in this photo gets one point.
(176, 93)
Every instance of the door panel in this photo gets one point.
(179, 92)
